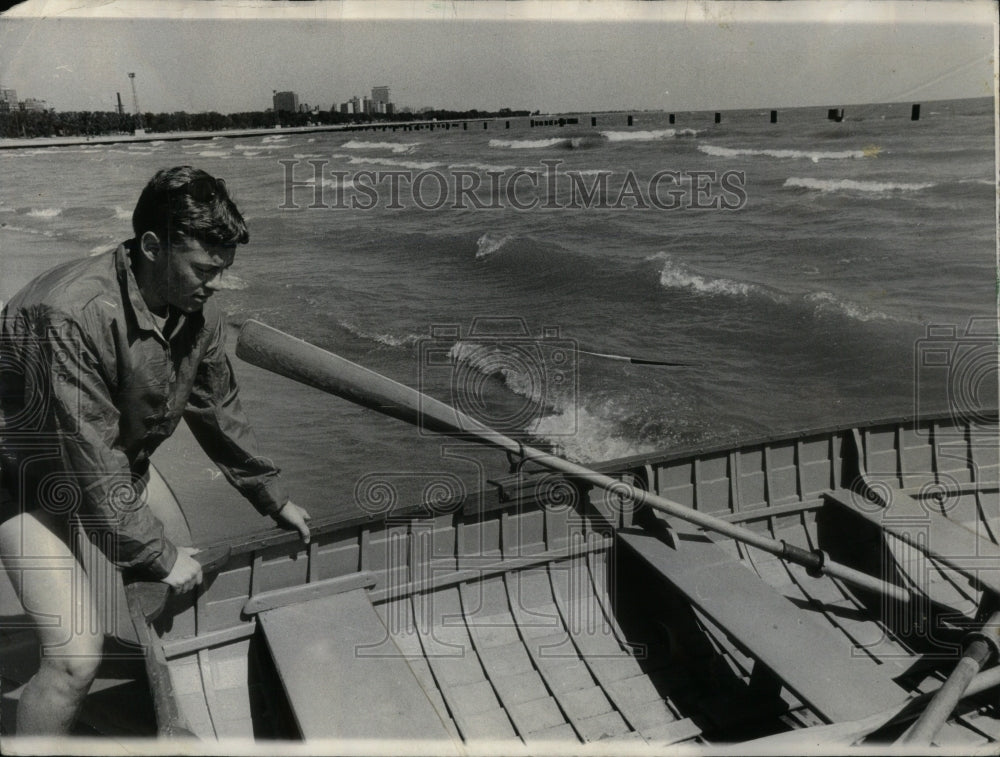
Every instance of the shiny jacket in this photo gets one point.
(90, 387)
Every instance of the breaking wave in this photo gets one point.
(489, 359)
(27, 230)
(527, 144)
(829, 302)
(647, 136)
(397, 147)
(331, 182)
(580, 142)
(814, 155)
(851, 185)
(482, 167)
(675, 275)
(386, 339)
(582, 430)
(415, 165)
(44, 212)
(491, 243)
(587, 437)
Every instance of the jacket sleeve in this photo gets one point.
(218, 423)
(84, 419)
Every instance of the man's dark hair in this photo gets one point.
(188, 201)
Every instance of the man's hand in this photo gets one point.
(294, 517)
(186, 573)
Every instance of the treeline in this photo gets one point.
(52, 124)
(16, 124)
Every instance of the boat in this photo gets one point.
(636, 604)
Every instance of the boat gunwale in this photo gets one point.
(275, 535)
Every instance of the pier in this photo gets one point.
(603, 120)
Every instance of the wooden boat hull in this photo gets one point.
(546, 610)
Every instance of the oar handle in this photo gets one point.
(981, 647)
(853, 731)
(151, 596)
(816, 562)
(294, 358)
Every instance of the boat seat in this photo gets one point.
(937, 536)
(336, 692)
(812, 659)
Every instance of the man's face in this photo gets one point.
(194, 272)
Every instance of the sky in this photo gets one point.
(552, 55)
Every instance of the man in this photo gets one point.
(99, 360)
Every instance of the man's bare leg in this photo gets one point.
(57, 594)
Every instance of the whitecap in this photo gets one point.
(385, 338)
(851, 185)
(482, 167)
(814, 155)
(416, 165)
(397, 147)
(526, 144)
(491, 243)
(673, 275)
(490, 359)
(639, 136)
(44, 212)
(829, 302)
(587, 437)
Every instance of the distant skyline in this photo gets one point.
(553, 56)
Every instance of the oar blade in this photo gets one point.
(288, 356)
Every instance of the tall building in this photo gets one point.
(351, 107)
(286, 101)
(31, 104)
(380, 95)
(8, 100)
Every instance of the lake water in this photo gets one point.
(797, 272)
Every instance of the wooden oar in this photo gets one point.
(146, 601)
(980, 647)
(852, 731)
(291, 357)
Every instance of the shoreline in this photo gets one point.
(176, 136)
(542, 120)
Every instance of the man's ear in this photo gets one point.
(150, 245)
